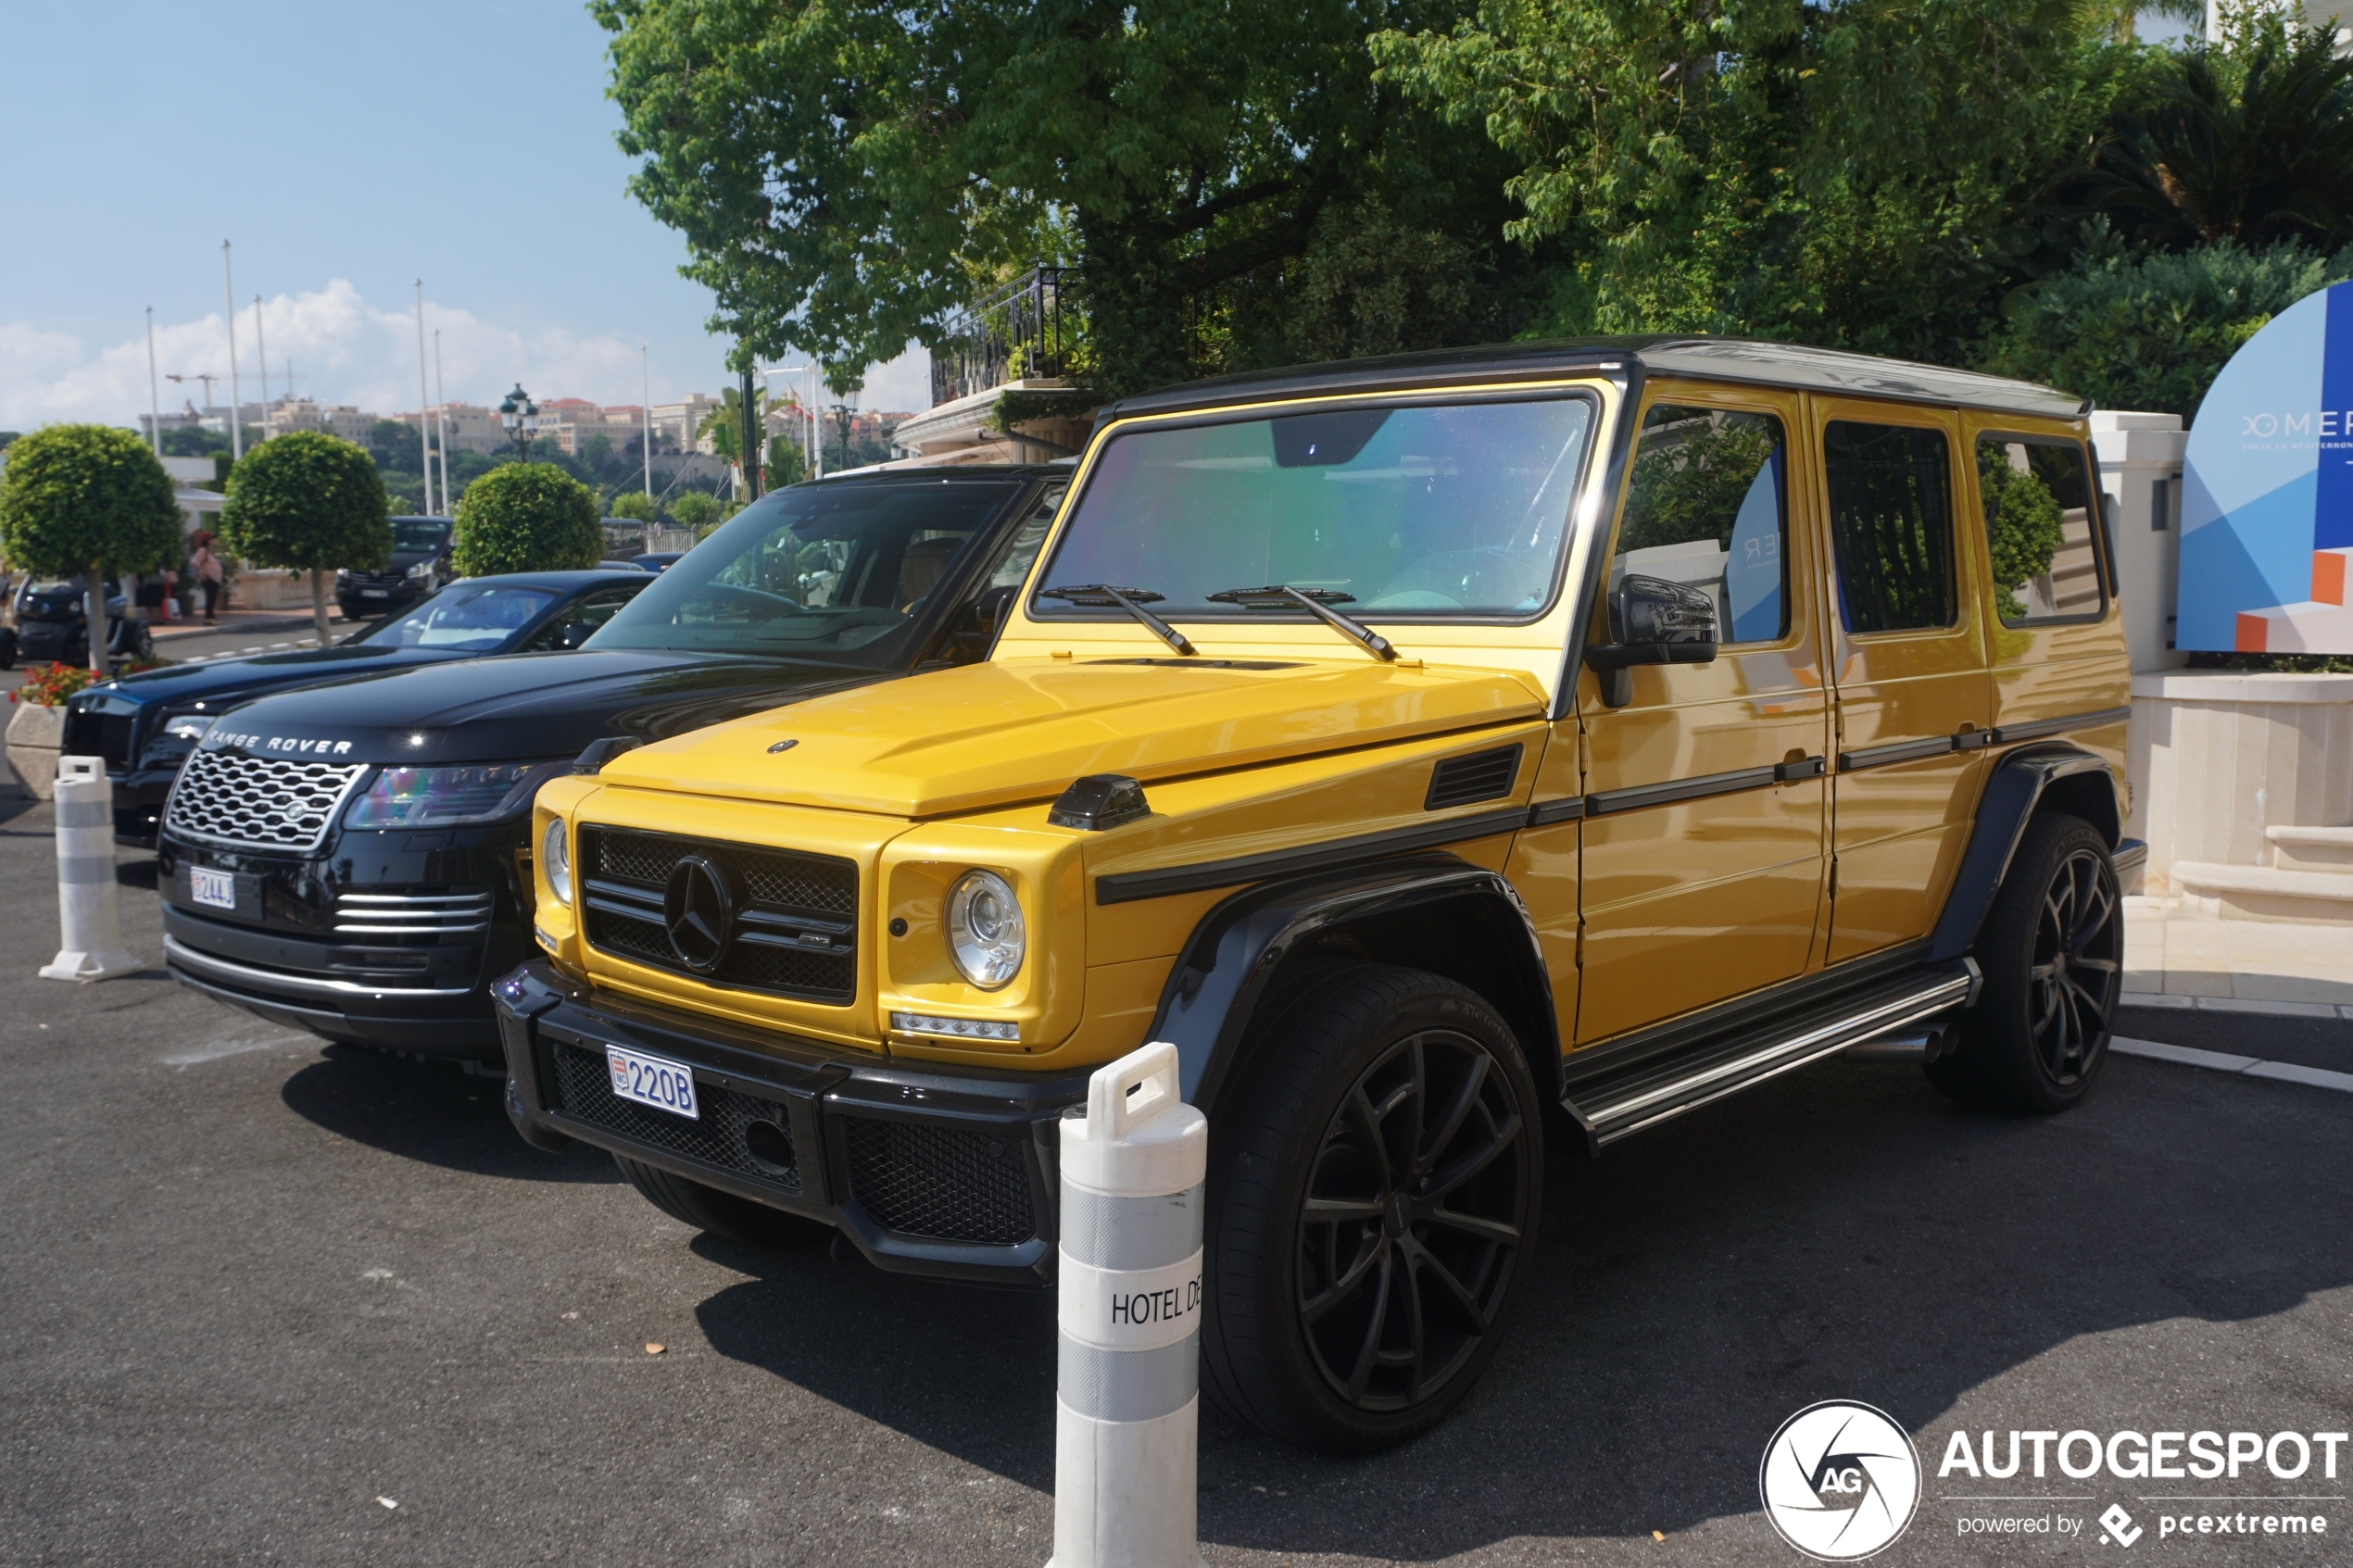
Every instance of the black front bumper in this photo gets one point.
(139, 796)
(946, 1171)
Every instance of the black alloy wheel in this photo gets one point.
(1411, 1224)
(2052, 952)
(1375, 1186)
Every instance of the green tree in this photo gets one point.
(312, 502)
(696, 511)
(87, 501)
(527, 517)
(2131, 330)
(634, 505)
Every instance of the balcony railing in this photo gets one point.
(1019, 332)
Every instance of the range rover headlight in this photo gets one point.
(984, 931)
(555, 854)
(422, 798)
(190, 727)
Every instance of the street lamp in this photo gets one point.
(519, 415)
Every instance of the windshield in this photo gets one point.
(474, 617)
(418, 533)
(820, 570)
(1416, 513)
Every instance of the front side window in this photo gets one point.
(2038, 498)
(589, 609)
(1891, 490)
(471, 618)
(821, 571)
(1705, 506)
(1440, 512)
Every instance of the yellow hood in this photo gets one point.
(1000, 733)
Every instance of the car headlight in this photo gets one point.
(190, 727)
(423, 569)
(985, 930)
(419, 798)
(555, 854)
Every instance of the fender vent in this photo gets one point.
(1483, 775)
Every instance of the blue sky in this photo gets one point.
(345, 150)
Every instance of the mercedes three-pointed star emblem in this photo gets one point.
(699, 908)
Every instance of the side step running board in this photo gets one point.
(1617, 1108)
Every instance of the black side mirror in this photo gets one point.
(574, 634)
(1656, 622)
(978, 623)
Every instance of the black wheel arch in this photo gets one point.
(2024, 784)
(1434, 913)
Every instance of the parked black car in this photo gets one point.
(657, 560)
(355, 858)
(420, 564)
(144, 725)
(52, 625)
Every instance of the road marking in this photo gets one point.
(2242, 1066)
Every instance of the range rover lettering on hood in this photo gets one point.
(287, 746)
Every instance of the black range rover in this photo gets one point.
(352, 858)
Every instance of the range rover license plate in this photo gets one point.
(217, 889)
(648, 1080)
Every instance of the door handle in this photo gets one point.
(1800, 768)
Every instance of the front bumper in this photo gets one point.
(139, 797)
(943, 1171)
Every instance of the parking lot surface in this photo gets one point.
(269, 1301)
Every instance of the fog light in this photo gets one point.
(955, 1028)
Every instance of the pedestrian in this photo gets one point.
(206, 567)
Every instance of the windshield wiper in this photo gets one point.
(1316, 602)
(1098, 594)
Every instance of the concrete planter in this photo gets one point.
(2229, 770)
(34, 734)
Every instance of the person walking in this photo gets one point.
(210, 575)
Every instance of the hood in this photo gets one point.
(223, 682)
(526, 707)
(1000, 734)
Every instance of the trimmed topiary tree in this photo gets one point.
(87, 501)
(310, 501)
(527, 517)
(696, 511)
(635, 506)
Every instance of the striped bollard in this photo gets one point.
(90, 924)
(1128, 1408)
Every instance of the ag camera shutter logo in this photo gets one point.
(1839, 1480)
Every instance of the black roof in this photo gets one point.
(1717, 359)
(883, 472)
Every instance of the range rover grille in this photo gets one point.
(271, 803)
(412, 914)
(794, 917)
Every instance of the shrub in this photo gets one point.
(312, 502)
(87, 502)
(634, 505)
(697, 510)
(527, 517)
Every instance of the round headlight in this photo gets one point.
(555, 854)
(985, 930)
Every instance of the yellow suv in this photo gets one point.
(1420, 744)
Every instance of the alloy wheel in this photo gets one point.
(2078, 966)
(1412, 1221)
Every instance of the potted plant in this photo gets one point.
(36, 728)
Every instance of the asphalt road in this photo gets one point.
(263, 1302)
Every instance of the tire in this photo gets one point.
(722, 1213)
(2053, 956)
(1323, 1330)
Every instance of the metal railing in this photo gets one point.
(1020, 330)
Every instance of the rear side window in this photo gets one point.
(1705, 507)
(2039, 528)
(1890, 489)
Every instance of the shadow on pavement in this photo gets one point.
(431, 1112)
(1844, 1233)
(139, 874)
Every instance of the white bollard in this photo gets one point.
(89, 923)
(1127, 1408)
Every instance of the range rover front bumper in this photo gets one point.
(944, 1172)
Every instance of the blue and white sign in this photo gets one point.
(2267, 498)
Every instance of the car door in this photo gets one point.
(1908, 666)
(1700, 842)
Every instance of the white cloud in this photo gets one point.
(345, 349)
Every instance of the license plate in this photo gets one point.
(648, 1080)
(375, 592)
(216, 888)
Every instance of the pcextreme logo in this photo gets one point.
(1839, 1480)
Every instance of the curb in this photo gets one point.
(2232, 1004)
(2239, 1066)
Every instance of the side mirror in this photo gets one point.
(978, 623)
(1656, 622)
(574, 634)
